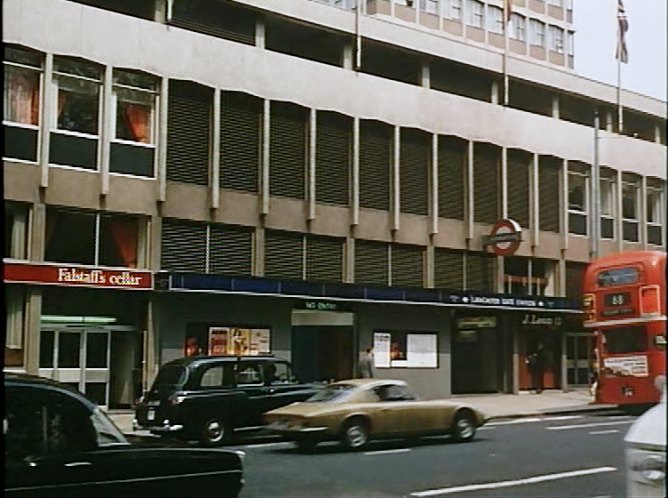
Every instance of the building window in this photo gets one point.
(556, 39)
(133, 104)
(430, 6)
(16, 230)
(475, 14)
(536, 33)
(607, 193)
(518, 27)
(453, 10)
(630, 208)
(23, 72)
(578, 201)
(90, 238)
(494, 19)
(74, 137)
(558, 3)
(655, 213)
(525, 276)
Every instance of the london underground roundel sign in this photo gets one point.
(506, 237)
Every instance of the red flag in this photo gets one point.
(622, 53)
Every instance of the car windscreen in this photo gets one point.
(170, 376)
(333, 394)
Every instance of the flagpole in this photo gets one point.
(620, 115)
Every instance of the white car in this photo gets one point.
(646, 453)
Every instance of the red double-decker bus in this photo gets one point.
(624, 304)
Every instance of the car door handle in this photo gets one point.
(77, 464)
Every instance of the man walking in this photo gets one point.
(365, 365)
(536, 363)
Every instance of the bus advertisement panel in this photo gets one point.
(624, 304)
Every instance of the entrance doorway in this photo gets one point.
(78, 357)
(579, 356)
(477, 362)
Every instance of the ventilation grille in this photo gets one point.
(333, 154)
(216, 19)
(288, 150)
(548, 188)
(449, 269)
(480, 272)
(283, 255)
(451, 174)
(240, 141)
(407, 266)
(324, 259)
(486, 185)
(518, 187)
(188, 133)
(230, 250)
(183, 246)
(375, 160)
(371, 263)
(415, 159)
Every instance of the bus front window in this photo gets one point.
(625, 340)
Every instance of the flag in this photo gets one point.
(622, 53)
(508, 8)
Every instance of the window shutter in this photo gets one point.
(230, 250)
(407, 266)
(324, 259)
(240, 141)
(284, 255)
(548, 188)
(371, 263)
(375, 161)
(216, 19)
(188, 132)
(486, 183)
(183, 246)
(288, 150)
(452, 162)
(480, 271)
(415, 159)
(333, 156)
(518, 186)
(449, 269)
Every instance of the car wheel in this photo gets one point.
(463, 426)
(355, 434)
(213, 432)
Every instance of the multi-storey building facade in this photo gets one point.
(303, 179)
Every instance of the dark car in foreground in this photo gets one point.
(58, 443)
(207, 398)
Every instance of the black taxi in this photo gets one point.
(207, 398)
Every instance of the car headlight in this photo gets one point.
(648, 467)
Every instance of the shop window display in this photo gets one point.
(403, 349)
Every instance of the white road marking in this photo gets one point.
(507, 484)
(534, 419)
(267, 445)
(581, 426)
(612, 431)
(386, 452)
(486, 428)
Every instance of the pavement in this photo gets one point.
(523, 404)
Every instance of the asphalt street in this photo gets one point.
(557, 456)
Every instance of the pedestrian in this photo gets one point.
(594, 373)
(365, 365)
(536, 364)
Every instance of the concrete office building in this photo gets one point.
(302, 179)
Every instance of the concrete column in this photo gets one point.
(469, 192)
(495, 92)
(425, 75)
(47, 113)
(504, 182)
(260, 33)
(515, 337)
(19, 235)
(500, 273)
(609, 122)
(563, 202)
(258, 264)
(151, 357)
(348, 57)
(311, 165)
(349, 269)
(434, 184)
(215, 150)
(355, 201)
(37, 234)
(555, 106)
(160, 11)
(104, 149)
(396, 178)
(163, 100)
(144, 243)
(534, 194)
(264, 184)
(430, 265)
(31, 337)
(564, 370)
(620, 216)
(657, 133)
(642, 228)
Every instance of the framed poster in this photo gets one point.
(381, 349)
(239, 341)
(402, 349)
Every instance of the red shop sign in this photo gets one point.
(77, 276)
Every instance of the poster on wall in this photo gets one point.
(238, 341)
(381, 350)
(421, 351)
(401, 349)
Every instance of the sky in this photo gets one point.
(596, 37)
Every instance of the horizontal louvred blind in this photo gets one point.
(188, 132)
(486, 184)
(574, 280)
(415, 158)
(480, 272)
(452, 161)
(375, 161)
(240, 141)
(371, 263)
(324, 259)
(449, 269)
(407, 266)
(288, 150)
(333, 156)
(548, 194)
(183, 246)
(283, 255)
(518, 187)
(230, 250)
(215, 18)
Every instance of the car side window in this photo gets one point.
(217, 376)
(279, 373)
(249, 373)
(393, 392)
